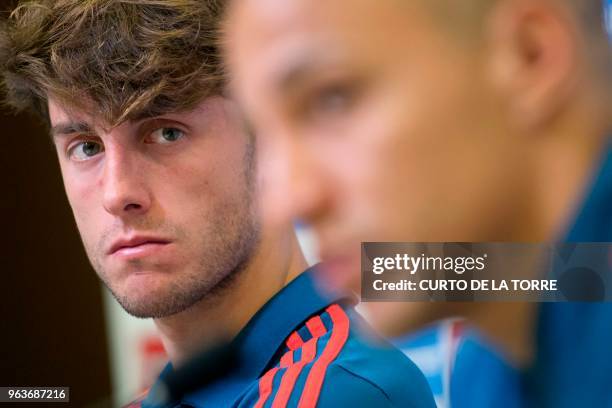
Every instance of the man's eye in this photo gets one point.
(330, 100)
(85, 150)
(165, 135)
(333, 99)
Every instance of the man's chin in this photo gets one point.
(144, 295)
(154, 306)
(158, 295)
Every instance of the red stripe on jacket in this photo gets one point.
(265, 387)
(294, 341)
(316, 376)
(316, 326)
(309, 351)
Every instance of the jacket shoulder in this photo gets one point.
(317, 368)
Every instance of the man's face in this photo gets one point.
(375, 124)
(163, 205)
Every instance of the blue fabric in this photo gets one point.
(463, 372)
(366, 372)
(431, 353)
(574, 362)
(481, 377)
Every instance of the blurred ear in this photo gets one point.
(531, 51)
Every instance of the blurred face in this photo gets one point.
(163, 205)
(375, 124)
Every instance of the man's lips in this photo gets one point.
(137, 245)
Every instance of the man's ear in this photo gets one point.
(531, 53)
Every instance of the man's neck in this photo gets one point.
(569, 159)
(277, 261)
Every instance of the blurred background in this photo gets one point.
(60, 327)
(54, 325)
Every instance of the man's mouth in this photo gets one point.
(137, 245)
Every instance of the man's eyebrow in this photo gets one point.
(293, 72)
(151, 123)
(67, 128)
(305, 65)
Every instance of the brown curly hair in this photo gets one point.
(118, 59)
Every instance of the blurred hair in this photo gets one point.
(591, 13)
(469, 15)
(117, 59)
(591, 17)
(465, 22)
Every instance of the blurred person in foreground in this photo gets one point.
(439, 120)
(161, 179)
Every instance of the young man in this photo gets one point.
(161, 179)
(482, 120)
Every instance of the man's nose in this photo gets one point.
(124, 188)
(296, 187)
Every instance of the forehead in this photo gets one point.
(211, 111)
(59, 111)
(290, 29)
(294, 15)
(67, 118)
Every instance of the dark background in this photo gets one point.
(52, 329)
